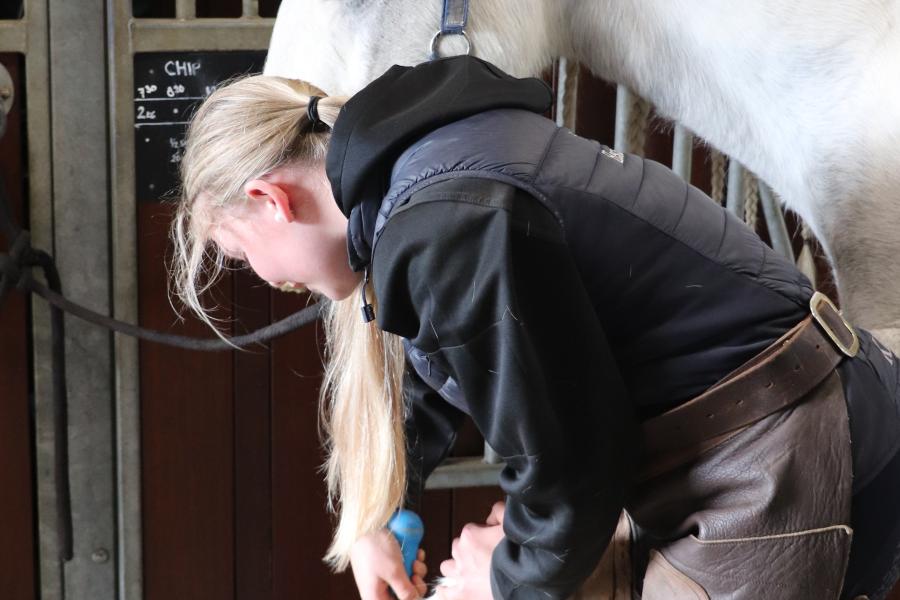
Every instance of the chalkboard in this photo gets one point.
(168, 88)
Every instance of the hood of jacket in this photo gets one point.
(377, 124)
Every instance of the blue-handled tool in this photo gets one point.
(407, 527)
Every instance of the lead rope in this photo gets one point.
(15, 272)
(718, 175)
(639, 118)
(751, 199)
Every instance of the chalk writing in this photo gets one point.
(181, 68)
(174, 90)
(143, 113)
(168, 88)
(146, 90)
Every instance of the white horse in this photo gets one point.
(805, 93)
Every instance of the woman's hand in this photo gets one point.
(468, 573)
(378, 565)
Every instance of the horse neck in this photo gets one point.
(635, 42)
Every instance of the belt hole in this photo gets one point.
(770, 384)
(710, 415)
(797, 367)
(739, 402)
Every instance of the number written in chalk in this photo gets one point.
(146, 90)
(145, 115)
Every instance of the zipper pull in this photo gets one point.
(368, 311)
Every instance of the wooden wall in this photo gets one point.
(234, 504)
(17, 515)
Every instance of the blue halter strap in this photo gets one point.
(453, 22)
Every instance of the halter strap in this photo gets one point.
(454, 18)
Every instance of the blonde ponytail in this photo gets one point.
(362, 414)
(244, 130)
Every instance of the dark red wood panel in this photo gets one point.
(252, 435)
(437, 515)
(17, 527)
(302, 526)
(187, 422)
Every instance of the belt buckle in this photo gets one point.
(815, 306)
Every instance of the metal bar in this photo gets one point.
(778, 233)
(463, 472)
(567, 93)
(153, 35)
(623, 116)
(185, 9)
(123, 213)
(40, 207)
(561, 91)
(682, 152)
(250, 8)
(81, 224)
(13, 36)
(734, 200)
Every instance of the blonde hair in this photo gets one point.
(245, 129)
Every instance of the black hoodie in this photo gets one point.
(405, 103)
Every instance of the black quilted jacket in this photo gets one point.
(558, 293)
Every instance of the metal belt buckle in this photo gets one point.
(815, 305)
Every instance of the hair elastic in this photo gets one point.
(312, 113)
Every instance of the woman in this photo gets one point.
(620, 341)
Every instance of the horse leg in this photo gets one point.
(859, 226)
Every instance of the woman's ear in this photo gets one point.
(275, 198)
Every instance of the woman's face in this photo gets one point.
(291, 232)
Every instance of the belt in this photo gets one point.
(773, 380)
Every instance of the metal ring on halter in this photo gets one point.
(437, 37)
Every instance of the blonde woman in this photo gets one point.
(619, 340)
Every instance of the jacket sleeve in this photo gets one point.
(431, 428)
(482, 279)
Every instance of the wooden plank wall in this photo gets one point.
(234, 503)
(18, 559)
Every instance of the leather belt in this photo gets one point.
(779, 376)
